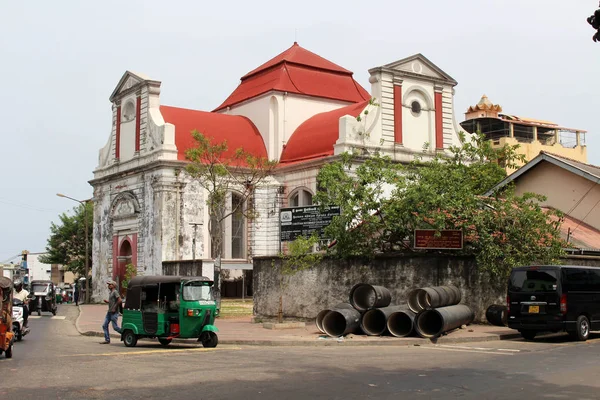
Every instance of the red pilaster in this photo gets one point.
(439, 127)
(398, 114)
(138, 109)
(115, 253)
(118, 133)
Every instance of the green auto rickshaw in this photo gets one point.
(168, 307)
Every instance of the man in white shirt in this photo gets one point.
(21, 294)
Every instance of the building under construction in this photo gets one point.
(532, 135)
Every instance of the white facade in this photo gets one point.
(145, 206)
(38, 270)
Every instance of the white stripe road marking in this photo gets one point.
(53, 317)
(515, 350)
(467, 351)
(465, 347)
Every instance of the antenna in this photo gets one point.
(296, 35)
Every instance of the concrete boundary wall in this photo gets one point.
(308, 292)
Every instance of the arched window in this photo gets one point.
(300, 198)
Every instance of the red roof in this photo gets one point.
(316, 136)
(298, 70)
(238, 131)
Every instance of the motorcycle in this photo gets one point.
(18, 320)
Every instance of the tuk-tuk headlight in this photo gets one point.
(193, 313)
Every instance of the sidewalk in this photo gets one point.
(241, 331)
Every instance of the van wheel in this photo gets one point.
(582, 330)
(129, 338)
(528, 335)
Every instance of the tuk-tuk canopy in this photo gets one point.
(159, 279)
(5, 283)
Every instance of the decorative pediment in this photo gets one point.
(128, 81)
(125, 206)
(417, 65)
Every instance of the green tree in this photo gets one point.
(220, 172)
(385, 202)
(300, 256)
(66, 244)
(130, 272)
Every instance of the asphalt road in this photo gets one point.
(55, 362)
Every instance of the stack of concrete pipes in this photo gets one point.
(430, 312)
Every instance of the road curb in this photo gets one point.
(387, 341)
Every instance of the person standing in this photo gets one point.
(76, 294)
(112, 315)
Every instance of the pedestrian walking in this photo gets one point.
(112, 315)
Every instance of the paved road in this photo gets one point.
(54, 362)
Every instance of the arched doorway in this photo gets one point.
(124, 258)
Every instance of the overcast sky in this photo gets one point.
(60, 61)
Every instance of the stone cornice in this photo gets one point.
(397, 73)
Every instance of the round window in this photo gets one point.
(415, 107)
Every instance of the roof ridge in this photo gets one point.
(569, 159)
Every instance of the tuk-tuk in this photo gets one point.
(168, 307)
(43, 297)
(6, 327)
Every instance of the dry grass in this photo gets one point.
(235, 308)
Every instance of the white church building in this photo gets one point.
(297, 108)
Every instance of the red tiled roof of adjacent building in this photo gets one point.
(316, 136)
(238, 131)
(300, 71)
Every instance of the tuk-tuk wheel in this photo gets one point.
(209, 339)
(8, 352)
(39, 313)
(53, 312)
(164, 342)
(129, 338)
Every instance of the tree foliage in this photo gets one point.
(383, 203)
(67, 241)
(220, 171)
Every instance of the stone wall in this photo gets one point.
(308, 292)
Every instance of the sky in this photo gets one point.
(61, 60)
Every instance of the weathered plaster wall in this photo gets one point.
(310, 291)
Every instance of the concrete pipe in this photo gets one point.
(438, 296)
(432, 323)
(413, 300)
(401, 323)
(496, 314)
(323, 313)
(341, 322)
(374, 321)
(365, 297)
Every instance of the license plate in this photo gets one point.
(534, 309)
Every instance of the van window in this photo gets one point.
(533, 281)
(582, 279)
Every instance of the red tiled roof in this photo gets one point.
(298, 70)
(238, 131)
(299, 55)
(580, 234)
(316, 136)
